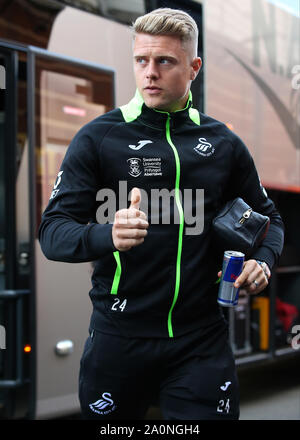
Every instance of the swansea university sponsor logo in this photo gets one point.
(103, 406)
(146, 166)
(135, 166)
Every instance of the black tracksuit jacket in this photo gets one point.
(165, 287)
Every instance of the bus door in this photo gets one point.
(44, 305)
(15, 283)
(65, 94)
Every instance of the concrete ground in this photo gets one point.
(271, 391)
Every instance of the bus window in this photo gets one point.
(66, 98)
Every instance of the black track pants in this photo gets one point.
(191, 377)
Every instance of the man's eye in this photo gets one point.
(164, 61)
(141, 60)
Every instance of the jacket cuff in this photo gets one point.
(264, 254)
(99, 239)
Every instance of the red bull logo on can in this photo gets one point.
(232, 267)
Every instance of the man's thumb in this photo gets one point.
(135, 199)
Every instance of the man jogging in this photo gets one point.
(156, 330)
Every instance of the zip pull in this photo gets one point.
(246, 215)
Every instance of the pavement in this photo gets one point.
(271, 391)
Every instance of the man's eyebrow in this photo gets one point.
(155, 56)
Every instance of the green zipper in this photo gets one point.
(131, 112)
(117, 276)
(181, 226)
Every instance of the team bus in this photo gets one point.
(63, 63)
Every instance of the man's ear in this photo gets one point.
(195, 67)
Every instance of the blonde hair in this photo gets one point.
(167, 21)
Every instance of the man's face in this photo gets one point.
(163, 71)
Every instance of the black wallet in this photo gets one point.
(237, 227)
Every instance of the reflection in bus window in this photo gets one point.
(22, 190)
(67, 97)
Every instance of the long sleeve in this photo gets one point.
(68, 231)
(245, 183)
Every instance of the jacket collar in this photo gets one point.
(137, 109)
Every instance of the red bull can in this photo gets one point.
(232, 267)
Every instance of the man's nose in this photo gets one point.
(152, 70)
